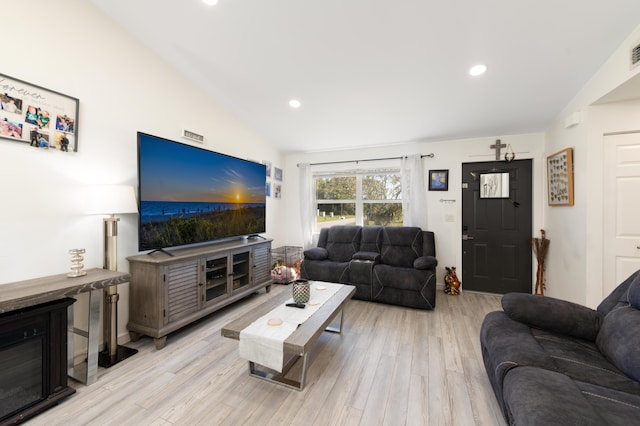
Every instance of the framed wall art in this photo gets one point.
(277, 173)
(560, 178)
(36, 116)
(438, 180)
(267, 167)
(494, 185)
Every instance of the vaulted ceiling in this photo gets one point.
(374, 72)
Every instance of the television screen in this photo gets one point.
(191, 195)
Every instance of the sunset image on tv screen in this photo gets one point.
(190, 195)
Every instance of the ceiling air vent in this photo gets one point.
(635, 56)
(188, 134)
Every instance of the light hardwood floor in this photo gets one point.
(390, 366)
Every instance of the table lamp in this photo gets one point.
(111, 200)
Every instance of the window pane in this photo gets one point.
(335, 214)
(385, 214)
(381, 187)
(336, 188)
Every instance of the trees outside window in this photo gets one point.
(365, 198)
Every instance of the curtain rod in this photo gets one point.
(368, 159)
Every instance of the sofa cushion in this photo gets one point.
(343, 242)
(555, 315)
(534, 396)
(322, 270)
(618, 295)
(633, 295)
(619, 339)
(616, 408)
(316, 253)
(425, 262)
(582, 360)
(401, 245)
(371, 239)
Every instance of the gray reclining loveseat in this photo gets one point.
(553, 362)
(388, 264)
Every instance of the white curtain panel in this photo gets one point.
(414, 198)
(307, 215)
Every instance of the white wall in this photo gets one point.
(448, 155)
(574, 262)
(69, 46)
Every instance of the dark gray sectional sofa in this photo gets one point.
(388, 264)
(552, 362)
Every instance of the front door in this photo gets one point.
(496, 226)
(622, 208)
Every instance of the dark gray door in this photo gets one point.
(496, 227)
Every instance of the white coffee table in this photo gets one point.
(298, 344)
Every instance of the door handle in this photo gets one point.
(465, 237)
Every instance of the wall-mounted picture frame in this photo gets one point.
(438, 180)
(268, 189)
(560, 178)
(39, 117)
(267, 167)
(277, 173)
(494, 185)
(277, 191)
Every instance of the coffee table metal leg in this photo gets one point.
(279, 377)
(338, 329)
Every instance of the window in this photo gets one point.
(371, 197)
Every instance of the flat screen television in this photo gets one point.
(189, 195)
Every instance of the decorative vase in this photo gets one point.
(76, 263)
(301, 291)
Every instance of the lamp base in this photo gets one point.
(122, 352)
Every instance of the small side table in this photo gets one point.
(27, 293)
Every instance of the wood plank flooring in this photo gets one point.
(390, 366)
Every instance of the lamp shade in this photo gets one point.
(111, 199)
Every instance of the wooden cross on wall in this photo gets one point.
(497, 146)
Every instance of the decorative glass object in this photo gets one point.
(301, 291)
(76, 263)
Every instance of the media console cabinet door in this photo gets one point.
(182, 290)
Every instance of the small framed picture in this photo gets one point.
(277, 173)
(268, 189)
(277, 191)
(494, 185)
(267, 167)
(438, 180)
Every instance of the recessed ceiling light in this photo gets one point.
(294, 103)
(477, 70)
(210, 2)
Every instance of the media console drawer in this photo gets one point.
(169, 292)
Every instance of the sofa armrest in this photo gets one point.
(425, 262)
(370, 256)
(554, 315)
(316, 253)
